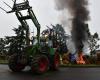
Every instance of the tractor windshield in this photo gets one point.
(35, 41)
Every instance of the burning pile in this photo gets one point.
(80, 15)
(80, 59)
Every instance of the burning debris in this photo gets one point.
(80, 59)
(79, 15)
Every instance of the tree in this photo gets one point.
(17, 43)
(61, 34)
(2, 45)
(93, 43)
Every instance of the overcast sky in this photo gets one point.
(46, 15)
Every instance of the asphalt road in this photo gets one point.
(62, 74)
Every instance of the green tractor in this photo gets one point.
(37, 53)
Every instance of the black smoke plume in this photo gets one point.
(80, 15)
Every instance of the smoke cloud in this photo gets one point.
(79, 16)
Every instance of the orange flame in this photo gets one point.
(80, 59)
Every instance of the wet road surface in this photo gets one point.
(62, 74)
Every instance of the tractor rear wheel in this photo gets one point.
(40, 64)
(14, 65)
(55, 61)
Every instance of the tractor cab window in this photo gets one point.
(34, 42)
(43, 42)
(50, 43)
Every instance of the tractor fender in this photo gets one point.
(52, 51)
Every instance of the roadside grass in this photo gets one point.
(80, 65)
(3, 61)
